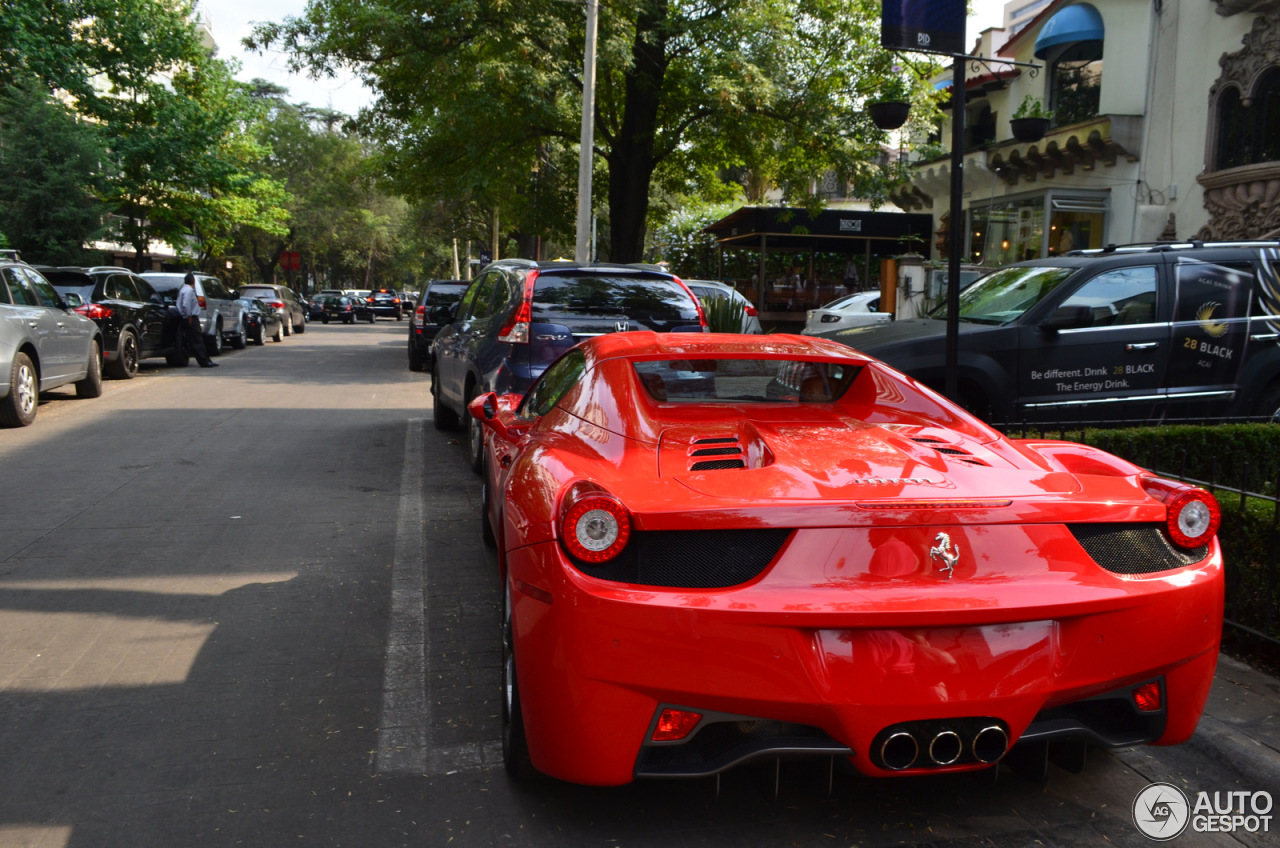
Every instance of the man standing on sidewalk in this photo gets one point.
(189, 325)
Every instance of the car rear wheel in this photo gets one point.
(475, 438)
(515, 745)
(300, 328)
(91, 385)
(444, 417)
(241, 339)
(126, 364)
(324, 319)
(279, 336)
(18, 408)
(213, 344)
(372, 317)
(260, 336)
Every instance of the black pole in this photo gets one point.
(956, 229)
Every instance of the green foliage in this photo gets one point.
(479, 100)
(1032, 107)
(49, 201)
(724, 315)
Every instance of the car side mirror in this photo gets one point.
(496, 412)
(1068, 318)
(71, 300)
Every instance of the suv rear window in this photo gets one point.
(656, 303)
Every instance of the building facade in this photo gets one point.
(1164, 125)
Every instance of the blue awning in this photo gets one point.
(1069, 26)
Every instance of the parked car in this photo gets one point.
(345, 310)
(135, 323)
(709, 290)
(435, 302)
(852, 310)
(261, 322)
(817, 557)
(314, 304)
(1132, 333)
(220, 318)
(518, 316)
(386, 302)
(43, 343)
(283, 300)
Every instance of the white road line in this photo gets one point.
(403, 727)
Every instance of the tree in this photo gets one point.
(475, 96)
(49, 202)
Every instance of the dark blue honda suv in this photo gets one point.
(518, 316)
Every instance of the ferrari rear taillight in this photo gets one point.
(595, 528)
(516, 328)
(674, 725)
(94, 311)
(1192, 515)
(1147, 697)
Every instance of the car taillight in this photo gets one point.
(94, 311)
(750, 309)
(1192, 515)
(516, 328)
(674, 725)
(702, 315)
(1147, 697)
(595, 528)
(420, 316)
(200, 299)
(275, 304)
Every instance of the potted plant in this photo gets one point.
(1031, 120)
(889, 109)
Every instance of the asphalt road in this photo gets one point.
(250, 606)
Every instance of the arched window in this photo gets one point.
(1249, 134)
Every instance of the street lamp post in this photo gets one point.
(582, 251)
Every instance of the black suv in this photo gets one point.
(518, 316)
(1139, 333)
(134, 320)
(386, 302)
(434, 306)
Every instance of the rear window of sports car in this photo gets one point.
(745, 380)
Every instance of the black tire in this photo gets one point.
(91, 385)
(240, 340)
(260, 336)
(18, 408)
(475, 437)
(324, 319)
(350, 319)
(287, 323)
(279, 336)
(515, 744)
(399, 316)
(444, 417)
(213, 344)
(372, 317)
(1267, 406)
(416, 362)
(300, 328)
(125, 366)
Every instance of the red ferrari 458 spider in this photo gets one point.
(724, 548)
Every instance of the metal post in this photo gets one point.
(956, 230)
(581, 250)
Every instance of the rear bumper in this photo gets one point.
(597, 664)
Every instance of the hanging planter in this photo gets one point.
(889, 115)
(1029, 129)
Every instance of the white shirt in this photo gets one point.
(188, 302)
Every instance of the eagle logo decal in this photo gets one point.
(1204, 316)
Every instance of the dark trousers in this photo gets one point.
(193, 339)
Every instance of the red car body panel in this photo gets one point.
(853, 627)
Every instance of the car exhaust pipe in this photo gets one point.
(899, 751)
(990, 744)
(945, 748)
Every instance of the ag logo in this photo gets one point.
(1204, 315)
(1161, 812)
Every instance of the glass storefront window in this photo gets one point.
(1013, 231)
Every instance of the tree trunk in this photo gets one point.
(631, 158)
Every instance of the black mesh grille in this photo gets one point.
(692, 559)
(717, 451)
(721, 440)
(725, 742)
(1133, 548)
(717, 464)
(940, 447)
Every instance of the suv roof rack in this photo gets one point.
(10, 253)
